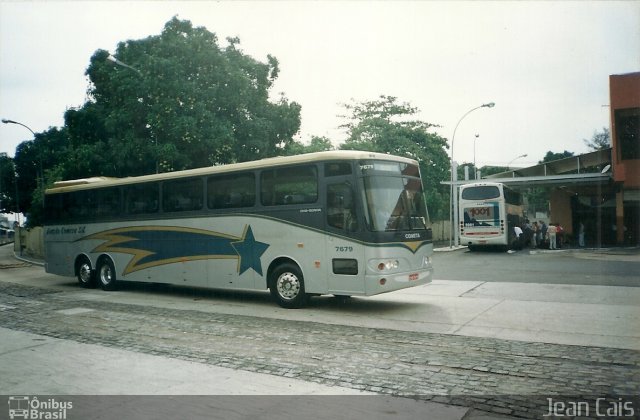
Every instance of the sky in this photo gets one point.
(545, 65)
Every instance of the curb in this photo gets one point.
(28, 260)
(450, 249)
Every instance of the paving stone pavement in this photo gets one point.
(496, 376)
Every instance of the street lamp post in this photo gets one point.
(475, 171)
(514, 159)
(453, 203)
(125, 65)
(5, 121)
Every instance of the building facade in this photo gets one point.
(624, 90)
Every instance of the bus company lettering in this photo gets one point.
(65, 230)
(412, 236)
(480, 211)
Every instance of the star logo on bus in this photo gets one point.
(152, 246)
(249, 252)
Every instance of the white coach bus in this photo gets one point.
(489, 212)
(343, 223)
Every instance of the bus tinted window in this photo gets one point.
(231, 191)
(52, 208)
(142, 198)
(341, 211)
(80, 204)
(294, 185)
(182, 195)
(512, 197)
(337, 168)
(108, 201)
(484, 192)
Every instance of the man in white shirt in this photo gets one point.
(519, 237)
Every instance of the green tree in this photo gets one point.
(38, 163)
(181, 102)
(317, 144)
(551, 156)
(7, 184)
(492, 170)
(386, 126)
(600, 140)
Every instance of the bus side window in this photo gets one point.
(142, 198)
(108, 202)
(231, 191)
(341, 207)
(182, 195)
(293, 185)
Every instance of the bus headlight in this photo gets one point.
(426, 262)
(388, 265)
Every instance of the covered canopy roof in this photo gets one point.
(589, 168)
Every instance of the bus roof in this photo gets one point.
(481, 184)
(96, 182)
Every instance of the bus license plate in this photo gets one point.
(413, 277)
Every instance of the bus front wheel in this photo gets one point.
(287, 286)
(107, 274)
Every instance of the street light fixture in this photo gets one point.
(4, 121)
(516, 158)
(120, 63)
(475, 170)
(125, 65)
(41, 177)
(453, 203)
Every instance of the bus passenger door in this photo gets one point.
(344, 256)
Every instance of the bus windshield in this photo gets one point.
(394, 203)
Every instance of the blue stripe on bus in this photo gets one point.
(158, 245)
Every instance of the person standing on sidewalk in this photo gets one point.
(581, 235)
(535, 239)
(543, 233)
(552, 230)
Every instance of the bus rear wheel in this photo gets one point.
(84, 273)
(287, 286)
(107, 274)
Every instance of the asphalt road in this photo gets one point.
(606, 267)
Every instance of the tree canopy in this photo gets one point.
(600, 140)
(386, 126)
(7, 184)
(179, 100)
(168, 102)
(551, 156)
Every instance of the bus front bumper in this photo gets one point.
(382, 283)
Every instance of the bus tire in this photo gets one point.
(287, 286)
(107, 274)
(85, 275)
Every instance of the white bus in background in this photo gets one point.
(343, 223)
(489, 211)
